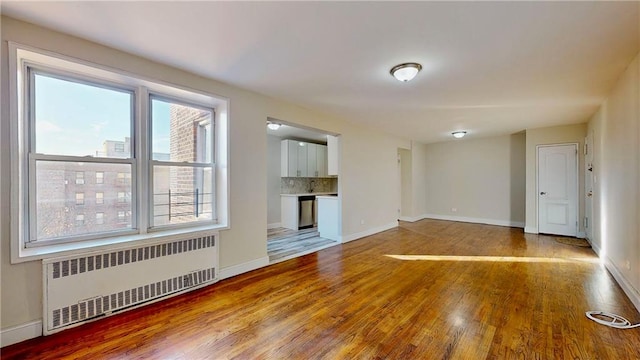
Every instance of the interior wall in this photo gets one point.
(368, 165)
(273, 180)
(616, 189)
(478, 180)
(547, 136)
(420, 169)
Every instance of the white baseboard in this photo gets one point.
(581, 235)
(274, 226)
(631, 293)
(531, 229)
(626, 286)
(508, 223)
(234, 270)
(16, 334)
(410, 218)
(359, 235)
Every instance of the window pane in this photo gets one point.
(182, 194)
(58, 199)
(180, 133)
(77, 119)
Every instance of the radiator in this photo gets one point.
(78, 289)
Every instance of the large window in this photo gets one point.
(145, 150)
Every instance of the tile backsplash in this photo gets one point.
(291, 185)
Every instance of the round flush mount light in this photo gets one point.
(459, 134)
(273, 126)
(405, 72)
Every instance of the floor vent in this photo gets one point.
(79, 289)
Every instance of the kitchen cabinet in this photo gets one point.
(303, 159)
(332, 155)
(293, 158)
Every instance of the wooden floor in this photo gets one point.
(284, 244)
(426, 290)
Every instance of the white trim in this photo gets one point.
(274, 225)
(626, 286)
(359, 235)
(581, 235)
(628, 289)
(509, 223)
(234, 270)
(531, 229)
(19, 333)
(410, 218)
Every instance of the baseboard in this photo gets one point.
(531, 229)
(410, 218)
(508, 223)
(16, 334)
(581, 235)
(632, 293)
(351, 237)
(274, 226)
(234, 270)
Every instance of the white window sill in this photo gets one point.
(109, 244)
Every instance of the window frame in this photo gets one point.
(152, 163)
(19, 56)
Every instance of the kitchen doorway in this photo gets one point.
(302, 178)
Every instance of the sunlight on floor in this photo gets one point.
(524, 259)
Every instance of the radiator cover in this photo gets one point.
(78, 289)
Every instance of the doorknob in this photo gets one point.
(543, 193)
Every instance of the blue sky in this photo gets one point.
(75, 119)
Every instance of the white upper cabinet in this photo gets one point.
(302, 159)
(332, 155)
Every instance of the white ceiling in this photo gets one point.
(489, 67)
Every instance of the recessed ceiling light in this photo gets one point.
(273, 126)
(405, 72)
(458, 134)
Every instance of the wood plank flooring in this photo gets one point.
(426, 290)
(284, 244)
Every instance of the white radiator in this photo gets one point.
(78, 289)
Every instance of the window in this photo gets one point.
(79, 177)
(150, 145)
(182, 168)
(123, 178)
(99, 177)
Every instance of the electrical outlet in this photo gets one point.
(454, 209)
(627, 265)
(361, 222)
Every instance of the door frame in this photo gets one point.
(577, 172)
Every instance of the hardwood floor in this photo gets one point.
(284, 244)
(426, 290)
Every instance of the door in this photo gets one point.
(558, 189)
(588, 185)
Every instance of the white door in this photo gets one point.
(558, 189)
(588, 185)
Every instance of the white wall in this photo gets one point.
(483, 179)
(406, 179)
(367, 164)
(273, 180)
(545, 136)
(616, 191)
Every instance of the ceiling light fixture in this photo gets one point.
(405, 72)
(458, 134)
(273, 126)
